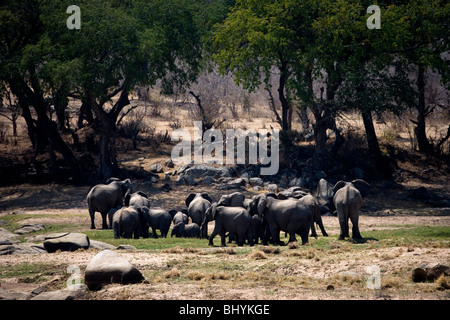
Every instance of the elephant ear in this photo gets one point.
(224, 200)
(126, 199)
(262, 204)
(184, 211)
(173, 213)
(112, 179)
(362, 186)
(142, 194)
(206, 196)
(189, 199)
(338, 185)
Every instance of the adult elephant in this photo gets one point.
(197, 204)
(157, 219)
(127, 221)
(313, 205)
(136, 199)
(235, 220)
(348, 199)
(290, 215)
(235, 199)
(104, 197)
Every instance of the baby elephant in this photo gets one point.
(182, 230)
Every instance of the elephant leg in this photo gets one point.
(275, 232)
(211, 237)
(322, 228)
(223, 239)
(292, 237)
(92, 214)
(355, 229)
(104, 223)
(313, 229)
(343, 223)
(155, 235)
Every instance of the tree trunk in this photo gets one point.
(420, 129)
(285, 106)
(372, 140)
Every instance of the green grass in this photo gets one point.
(421, 236)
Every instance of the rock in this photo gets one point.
(69, 242)
(99, 245)
(228, 186)
(239, 181)
(419, 274)
(256, 182)
(324, 190)
(169, 163)
(110, 267)
(28, 228)
(126, 247)
(207, 181)
(13, 295)
(435, 270)
(65, 294)
(201, 171)
(186, 180)
(156, 168)
(166, 187)
(272, 187)
(7, 235)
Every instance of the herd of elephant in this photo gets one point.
(262, 217)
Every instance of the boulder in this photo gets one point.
(28, 228)
(156, 168)
(419, 274)
(65, 294)
(435, 270)
(99, 245)
(69, 242)
(201, 171)
(429, 272)
(110, 267)
(256, 182)
(6, 235)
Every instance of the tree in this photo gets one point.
(22, 57)
(427, 30)
(259, 35)
(120, 45)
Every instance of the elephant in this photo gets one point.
(235, 199)
(179, 216)
(235, 220)
(290, 215)
(191, 230)
(126, 222)
(104, 197)
(157, 219)
(197, 205)
(313, 205)
(137, 199)
(348, 199)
